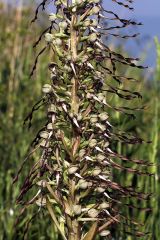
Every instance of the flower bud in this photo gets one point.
(52, 17)
(96, 171)
(89, 95)
(93, 213)
(79, 117)
(55, 167)
(106, 144)
(104, 205)
(87, 22)
(63, 25)
(49, 150)
(94, 23)
(41, 202)
(82, 153)
(58, 134)
(100, 157)
(58, 42)
(44, 134)
(72, 169)
(47, 88)
(92, 142)
(52, 108)
(95, 10)
(61, 220)
(74, 9)
(89, 49)
(100, 190)
(67, 68)
(90, 184)
(84, 58)
(98, 50)
(77, 209)
(41, 183)
(93, 118)
(103, 116)
(44, 144)
(83, 184)
(48, 37)
(92, 37)
(104, 233)
(50, 126)
(101, 127)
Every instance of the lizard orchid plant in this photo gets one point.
(73, 179)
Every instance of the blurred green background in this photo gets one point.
(17, 95)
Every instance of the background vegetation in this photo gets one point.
(18, 93)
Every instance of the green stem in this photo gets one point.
(73, 225)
